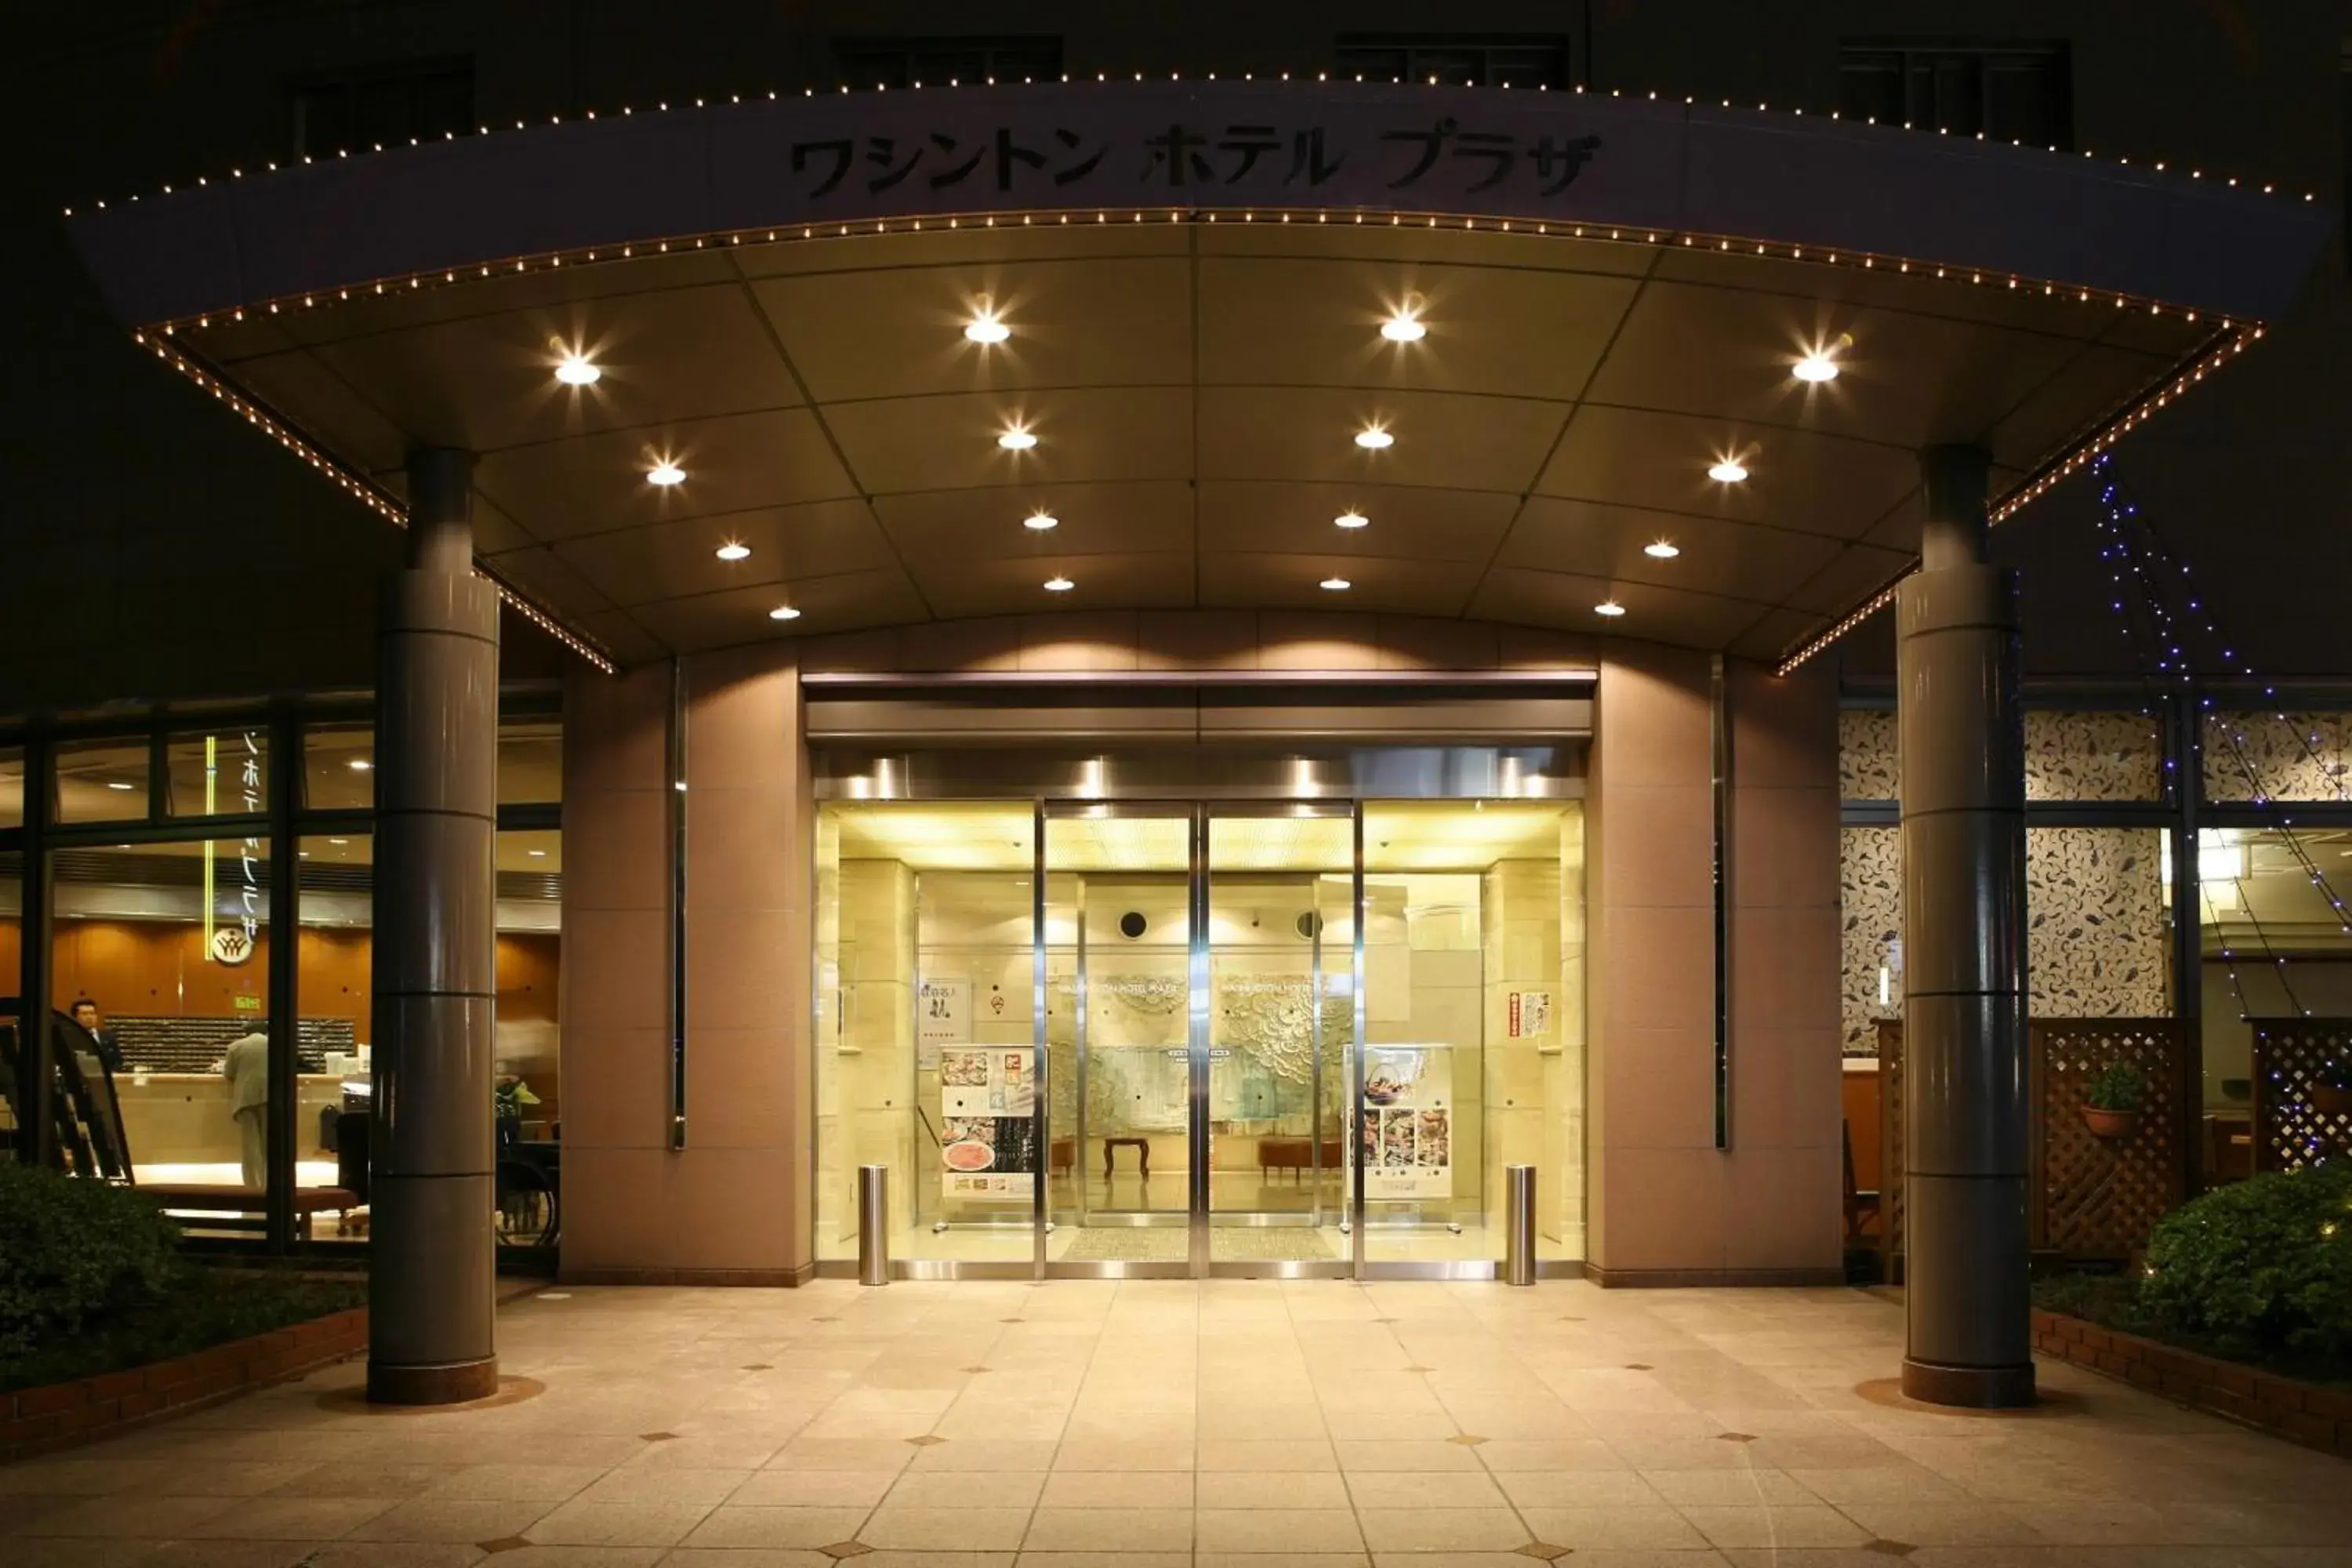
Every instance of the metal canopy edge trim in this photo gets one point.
(1067, 149)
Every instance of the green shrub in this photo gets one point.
(72, 1250)
(2118, 1086)
(2257, 1268)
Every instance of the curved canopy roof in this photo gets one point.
(1193, 281)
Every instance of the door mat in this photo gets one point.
(1169, 1244)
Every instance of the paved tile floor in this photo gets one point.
(1255, 1424)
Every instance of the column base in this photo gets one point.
(1968, 1387)
(456, 1383)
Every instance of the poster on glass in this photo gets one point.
(988, 1128)
(1408, 1123)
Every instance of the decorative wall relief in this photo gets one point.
(2278, 756)
(2098, 928)
(1866, 769)
(2069, 755)
(1870, 901)
(2098, 932)
(2092, 756)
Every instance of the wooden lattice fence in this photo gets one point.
(2089, 1197)
(2297, 1122)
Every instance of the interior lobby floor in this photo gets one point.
(1259, 1424)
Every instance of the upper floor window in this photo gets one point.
(1456, 59)
(381, 106)
(905, 62)
(2009, 91)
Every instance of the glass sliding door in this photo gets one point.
(1119, 1033)
(1280, 1038)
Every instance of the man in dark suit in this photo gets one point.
(110, 1049)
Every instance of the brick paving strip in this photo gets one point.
(2316, 1417)
(64, 1415)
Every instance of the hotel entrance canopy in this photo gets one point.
(1676, 361)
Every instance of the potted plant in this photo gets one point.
(2331, 1090)
(2112, 1100)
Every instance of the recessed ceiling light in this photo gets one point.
(734, 549)
(576, 371)
(1663, 550)
(339, 841)
(1017, 440)
(1041, 521)
(1403, 327)
(1608, 607)
(305, 854)
(984, 328)
(1371, 439)
(360, 764)
(117, 783)
(1336, 585)
(1351, 518)
(665, 473)
(1816, 367)
(784, 612)
(1059, 585)
(1729, 471)
(536, 854)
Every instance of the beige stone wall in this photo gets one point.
(1519, 916)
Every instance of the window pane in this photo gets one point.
(2278, 756)
(926, 967)
(1473, 1010)
(531, 762)
(12, 799)
(11, 935)
(170, 944)
(338, 767)
(2272, 944)
(101, 781)
(222, 773)
(528, 1058)
(334, 994)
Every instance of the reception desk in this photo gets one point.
(180, 1127)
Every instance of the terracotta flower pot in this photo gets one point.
(2110, 1123)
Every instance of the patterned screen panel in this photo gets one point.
(2090, 1197)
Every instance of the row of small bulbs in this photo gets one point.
(1720, 244)
(1324, 77)
(364, 492)
(2017, 501)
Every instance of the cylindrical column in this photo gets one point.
(874, 1225)
(1519, 1225)
(1964, 1075)
(430, 1277)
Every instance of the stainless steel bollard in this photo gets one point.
(1519, 1225)
(874, 1225)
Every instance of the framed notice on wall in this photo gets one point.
(1408, 1121)
(942, 1018)
(987, 1121)
(1530, 1014)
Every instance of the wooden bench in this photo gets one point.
(246, 1208)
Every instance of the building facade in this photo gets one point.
(1194, 668)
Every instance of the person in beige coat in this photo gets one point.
(246, 1067)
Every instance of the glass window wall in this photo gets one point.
(925, 1032)
(12, 786)
(101, 781)
(338, 767)
(220, 773)
(162, 955)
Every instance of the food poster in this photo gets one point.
(988, 1128)
(1408, 1123)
